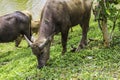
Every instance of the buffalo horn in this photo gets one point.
(29, 42)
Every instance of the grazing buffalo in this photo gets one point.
(13, 25)
(60, 16)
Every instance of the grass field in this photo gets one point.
(95, 62)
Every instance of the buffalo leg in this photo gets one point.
(83, 41)
(64, 40)
(18, 40)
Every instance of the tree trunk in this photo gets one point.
(105, 32)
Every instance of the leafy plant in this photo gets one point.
(108, 10)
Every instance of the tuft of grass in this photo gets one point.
(94, 62)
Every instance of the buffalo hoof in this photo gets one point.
(81, 46)
(40, 66)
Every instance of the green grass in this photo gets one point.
(95, 62)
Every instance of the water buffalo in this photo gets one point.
(60, 16)
(13, 25)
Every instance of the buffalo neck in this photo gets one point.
(47, 27)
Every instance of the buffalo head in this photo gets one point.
(41, 50)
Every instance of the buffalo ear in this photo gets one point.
(29, 42)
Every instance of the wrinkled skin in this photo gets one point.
(60, 16)
(13, 25)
